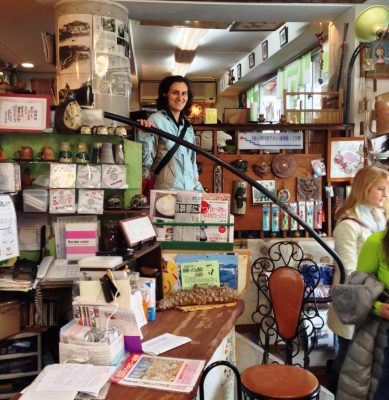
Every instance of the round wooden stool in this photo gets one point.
(276, 381)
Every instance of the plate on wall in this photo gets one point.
(283, 165)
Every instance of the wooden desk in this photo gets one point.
(206, 329)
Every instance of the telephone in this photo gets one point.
(53, 270)
(42, 269)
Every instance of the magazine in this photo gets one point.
(165, 373)
(215, 208)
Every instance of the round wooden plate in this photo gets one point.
(283, 165)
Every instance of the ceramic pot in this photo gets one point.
(24, 153)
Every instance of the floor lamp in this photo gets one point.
(372, 24)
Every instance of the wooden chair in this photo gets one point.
(286, 307)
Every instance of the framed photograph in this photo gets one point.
(375, 59)
(259, 197)
(345, 158)
(264, 46)
(24, 112)
(251, 60)
(283, 36)
(238, 71)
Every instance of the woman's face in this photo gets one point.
(379, 52)
(378, 193)
(177, 97)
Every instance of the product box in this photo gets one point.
(96, 353)
(10, 318)
(148, 290)
(9, 177)
(35, 200)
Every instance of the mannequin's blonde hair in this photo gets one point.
(363, 181)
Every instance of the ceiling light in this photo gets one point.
(190, 38)
(27, 65)
(184, 56)
(180, 69)
(185, 50)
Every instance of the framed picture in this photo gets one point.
(254, 26)
(137, 230)
(264, 46)
(251, 60)
(238, 71)
(345, 158)
(24, 112)
(259, 197)
(375, 59)
(283, 36)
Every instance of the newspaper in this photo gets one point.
(164, 373)
(188, 210)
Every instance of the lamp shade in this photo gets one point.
(371, 23)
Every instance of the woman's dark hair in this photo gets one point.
(164, 86)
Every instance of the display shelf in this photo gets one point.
(314, 147)
(15, 378)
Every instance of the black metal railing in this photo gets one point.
(241, 175)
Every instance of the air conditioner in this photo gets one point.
(148, 92)
(204, 91)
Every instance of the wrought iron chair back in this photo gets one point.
(286, 312)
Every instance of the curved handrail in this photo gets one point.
(241, 175)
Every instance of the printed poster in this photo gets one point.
(9, 246)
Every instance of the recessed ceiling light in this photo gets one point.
(27, 65)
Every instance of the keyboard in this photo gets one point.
(61, 270)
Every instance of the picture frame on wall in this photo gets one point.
(374, 59)
(24, 112)
(251, 60)
(264, 47)
(259, 197)
(345, 158)
(238, 71)
(283, 36)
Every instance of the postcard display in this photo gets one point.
(93, 53)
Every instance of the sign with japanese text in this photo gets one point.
(270, 140)
(24, 112)
(201, 273)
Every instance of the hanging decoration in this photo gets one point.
(320, 38)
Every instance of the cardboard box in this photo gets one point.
(10, 318)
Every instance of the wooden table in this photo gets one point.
(206, 329)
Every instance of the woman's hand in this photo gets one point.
(384, 311)
(146, 123)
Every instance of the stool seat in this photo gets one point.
(279, 381)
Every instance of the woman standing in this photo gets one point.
(363, 367)
(180, 172)
(360, 216)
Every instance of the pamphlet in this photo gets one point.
(163, 343)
